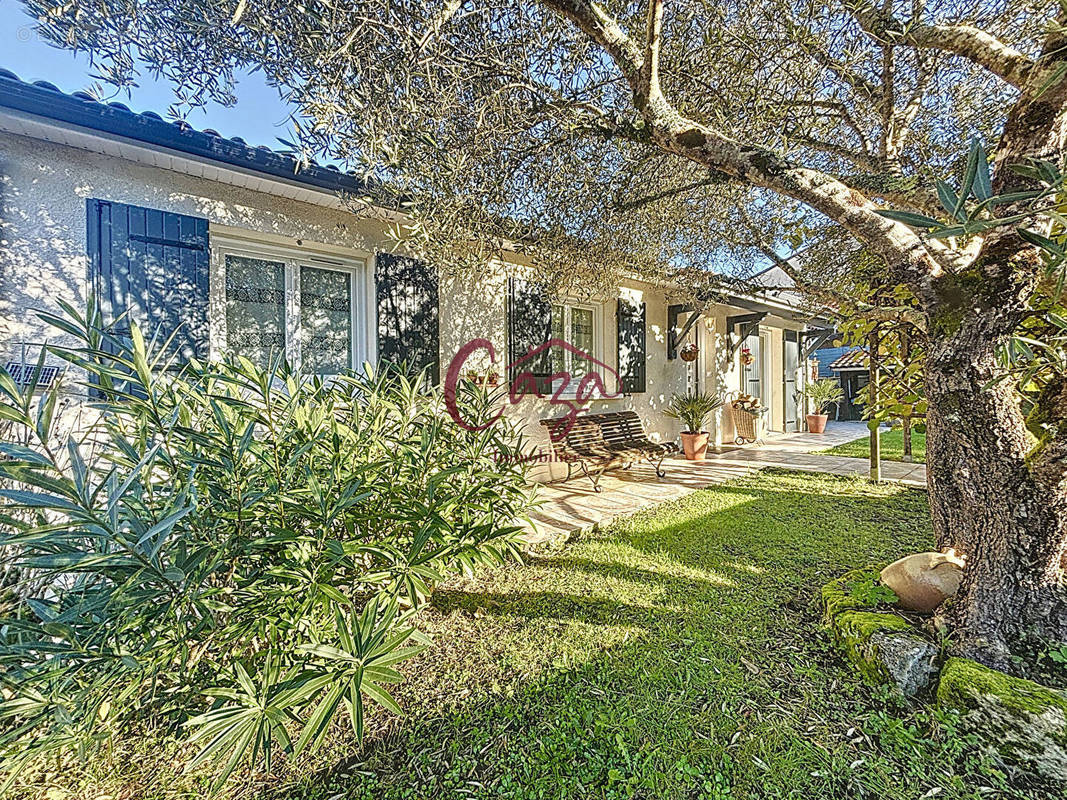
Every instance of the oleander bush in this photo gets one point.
(228, 552)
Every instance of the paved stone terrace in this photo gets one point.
(573, 505)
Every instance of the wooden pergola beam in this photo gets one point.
(674, 335)
(747, 323)
(812, 340)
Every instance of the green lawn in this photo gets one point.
(892, 447)
(675, 655)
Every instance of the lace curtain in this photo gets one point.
(325, 320)
(255, 308)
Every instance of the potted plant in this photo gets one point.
(822, 394)
(689, 351)
(490, 378)
(746, 357)
(693, 409)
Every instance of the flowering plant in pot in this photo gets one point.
(693, 409)
(689, 351)
(822, 394)
(746, 357)
(488, 378)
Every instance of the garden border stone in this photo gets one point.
(882, 645)
(1022, 721)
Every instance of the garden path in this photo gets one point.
(573, 505)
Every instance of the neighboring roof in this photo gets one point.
(42, 99)
(774, 277)
(827, 356)
(854, 359)
(777, 283)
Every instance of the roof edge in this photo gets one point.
(42, 99)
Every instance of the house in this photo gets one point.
(243, 252)
(848, 366)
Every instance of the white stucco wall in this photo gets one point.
(476, 307)
(43, 193)
(44, 188)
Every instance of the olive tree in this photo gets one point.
(614, 135)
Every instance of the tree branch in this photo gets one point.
(900, 123)
(870, 90)
(438, 22)
(904, 251)
(603, 29)
(666, 194)
(963, 40)
(859, 158)
(653, 38)
(896, 189)
(833, 109)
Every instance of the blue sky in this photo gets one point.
(259, 117)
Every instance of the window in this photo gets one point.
(293, 305)
(255, 309)
(575, 325)
(325, 320)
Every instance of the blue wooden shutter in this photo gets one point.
(529, 327)
(408, 322)
(630, 318)
(152, 268)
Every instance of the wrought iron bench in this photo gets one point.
(599, 442)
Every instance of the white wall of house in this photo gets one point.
(43, 191)
(476, 307)
(44, 188)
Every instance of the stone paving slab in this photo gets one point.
(573, 505)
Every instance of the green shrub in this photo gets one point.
(231, 551)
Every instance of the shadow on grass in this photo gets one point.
(554, 605)
(648, 678)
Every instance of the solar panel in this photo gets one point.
(22, 373)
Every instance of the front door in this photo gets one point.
(752, 374)
(790, 365)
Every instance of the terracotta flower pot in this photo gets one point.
(695, 445)
(817, 423)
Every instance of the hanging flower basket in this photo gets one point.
(689, 352)
(490, 378)
(746, 357)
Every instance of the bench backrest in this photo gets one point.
(592, 429)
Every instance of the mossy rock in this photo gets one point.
(883, 646)
(858, 589)
(1022, 721)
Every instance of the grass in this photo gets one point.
(892, 447)
(677, 654)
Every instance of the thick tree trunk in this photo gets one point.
(987, 500)
(998, 494)
(1002, 504)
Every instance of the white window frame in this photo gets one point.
(364, 318)
(353, 286)
(599, 340)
